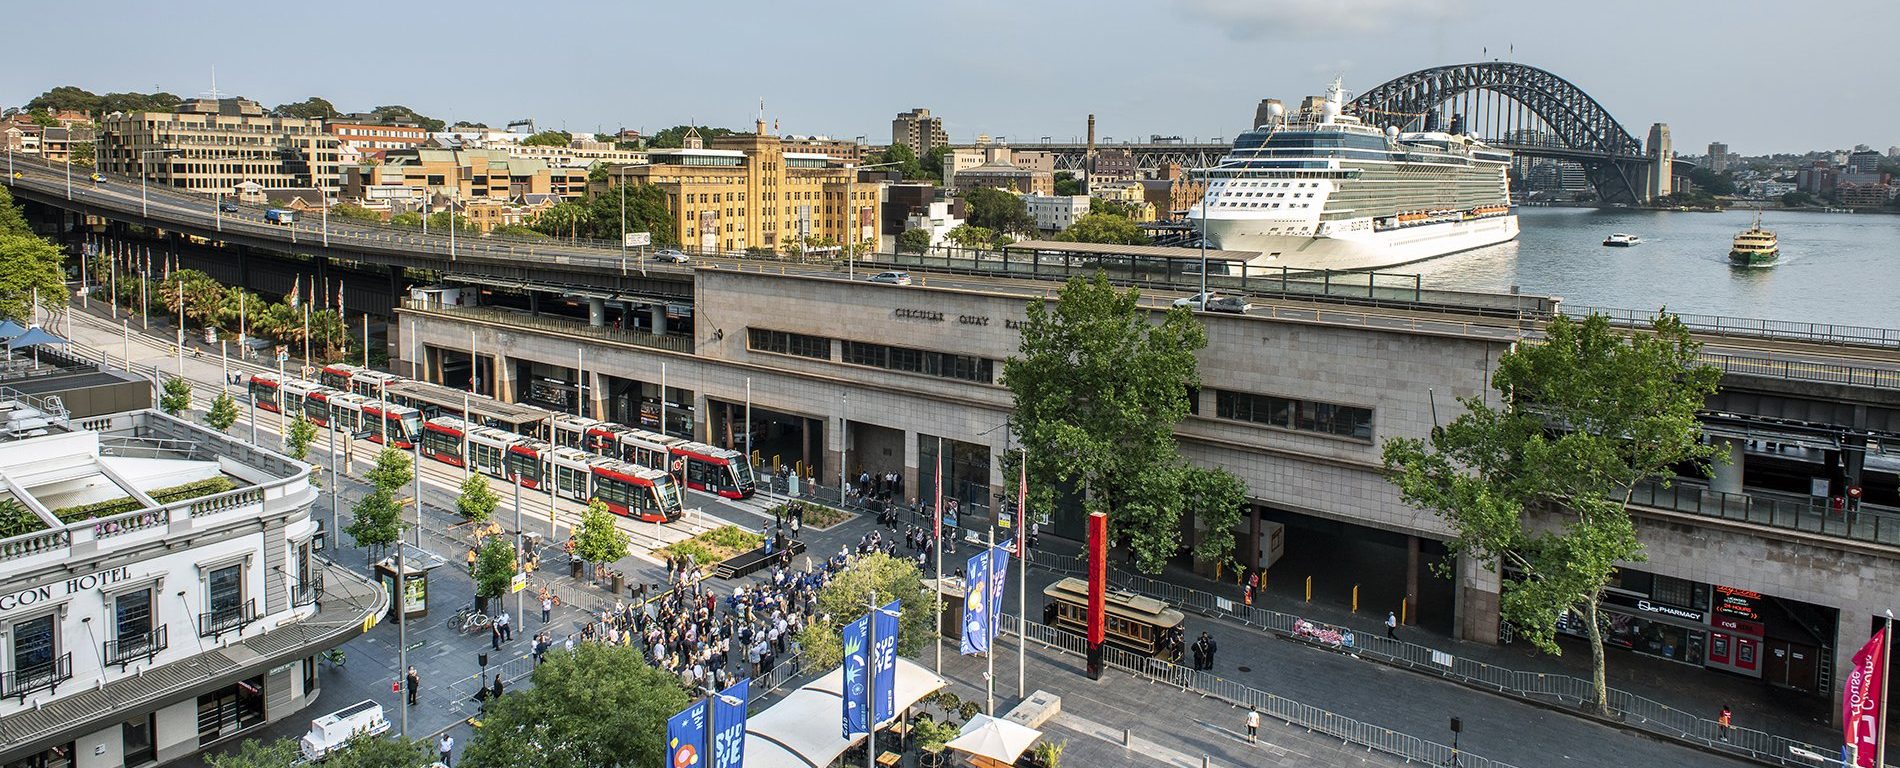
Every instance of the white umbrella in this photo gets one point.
(999, 740)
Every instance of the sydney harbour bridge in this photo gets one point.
(1530, 111)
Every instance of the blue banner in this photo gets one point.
(729, 725)
(856, 669)
(686, 737)
(884, 663)
(999, 580)
(976, 604)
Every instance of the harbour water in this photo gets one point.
(1834, 268)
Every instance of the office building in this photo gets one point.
(162, 590)
(378, 135)
(212, 145)
(1054, 213)
(846, 150)
(749, 191)
(1718, 156)
(919, 131)
(448, 176)
(1864, 161)
(1864, 190)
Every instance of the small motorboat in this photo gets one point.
(1621, 240)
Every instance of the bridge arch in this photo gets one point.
(1529, 110)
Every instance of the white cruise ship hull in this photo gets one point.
(1357, 246)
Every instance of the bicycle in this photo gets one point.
(467, 619)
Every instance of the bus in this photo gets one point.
(634, 491)
(1134, 622)
(713, 470)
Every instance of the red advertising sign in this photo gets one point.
(1737, 602)
(1860, 701)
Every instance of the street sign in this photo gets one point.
(518, 583)
(635, 239)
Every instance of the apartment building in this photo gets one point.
(919, 131)
(212, 145)
(162, 591)
(378, 135)
(447, 175)
(749, 191)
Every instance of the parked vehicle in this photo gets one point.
(892, 278)
(280, 216)
(330, 732)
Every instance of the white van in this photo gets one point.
(330, 732)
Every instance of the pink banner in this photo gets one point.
(1860, 702)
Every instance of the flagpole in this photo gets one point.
(989, 677)
(1886, 671)
(870, 682)
(937, 544)
(1022, 576)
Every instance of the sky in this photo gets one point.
(1761, 76)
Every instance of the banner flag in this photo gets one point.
(884, 663)
(729, 725)
(1860, 701)
(999, 578)
(856, 669)
(686, 737)
(976, 604)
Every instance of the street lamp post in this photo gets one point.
(144, 208)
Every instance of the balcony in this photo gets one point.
(229, 619)
(48, 676)
(127, 650)
(309, 592)
(1866, 522)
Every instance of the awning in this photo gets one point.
(804, 730)
(10, 329)
(33, 337)
(999, 740)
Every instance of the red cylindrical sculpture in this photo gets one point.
(1098, 590)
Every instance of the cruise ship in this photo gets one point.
(1321, 189)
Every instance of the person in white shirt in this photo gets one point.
(1253, 726)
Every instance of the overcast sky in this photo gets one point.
(1764, 76)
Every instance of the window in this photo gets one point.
(908, 360)
(1303, 415)
(138, 734)
(35, 651)
(786, 343)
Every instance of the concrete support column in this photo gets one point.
(504, 377)
(659, 318)
(534, 302)
(701, 428)
(596, 312)
(913, 472)
(1411, 579)
(1853, 459)
(1727, 475)
(1477, 604)
(596, 397)
(244, 266)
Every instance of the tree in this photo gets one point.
(1103, 228)
(1067, 183)
(1712, 182)
(848, 597)
(440, 220)
(901, 159)
(599, 705)
(65, 97)
(998, 209)
(1797, 199)
(970, 236)
(913, 241)
(12, 221)
(82, 153)
(562, 217)
(176, 398)
(520, 231)
(350, 212)
(932, 162)
(375, 520)
(1541, 483)
(548, 139)
(397, 113)
(1098, 388)
(1112, 207)
(313, 108)
(299, 435)
(674, 137)
(223, 412)
(386, 751)
(392, 470)
(29, 269)
(494, 568)
(409, 219)
(598, 540)
(478, 501)
(257, 754)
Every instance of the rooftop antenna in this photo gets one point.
(214, 93)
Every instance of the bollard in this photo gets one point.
(1355, 598)
(1309, 589)
(1128, 741)
(1403, 605)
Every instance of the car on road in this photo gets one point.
(1212, 302)
(892, 278)
(670, 255)
(227, 206)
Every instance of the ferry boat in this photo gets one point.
(1321, 189)
(1754, 247)
(1621, 240)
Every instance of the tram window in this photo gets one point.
(442, 443)
(314, 409)
(572, 482)
(705, 473)
(523, 465)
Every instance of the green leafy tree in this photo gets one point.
(409, 219)
(223, 412)
(397, 113)
(439, 223)
(12, 221)
(1103, 228)
(914, 241)
(520, 231)
(672, 138)
(598, 540)
(848, 597)
(29, 268)
(998, 209)
(494, 568)
(1099, 388)
(1541, 483)
(1067, 183)
(564, 217)
(902, 160)
(971, 236)
(375, 520)
(478, 501)
(1797, 199)
(313, 108)
(646, 212)
(65, 97)
(392, 470)
(548, 139)
(932, 162)
(1112, 207)
(82, 154)
(387, 751)
(599, 705)
(17, 520)
(350, 212)
(176, 398)
(299, 435)
(133, 101)
(257, 754)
